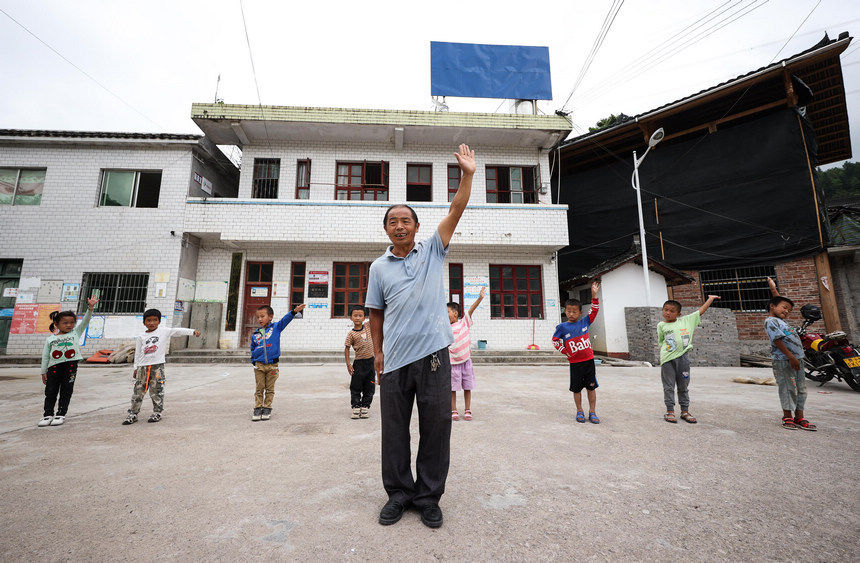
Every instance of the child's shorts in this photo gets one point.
(462, 376)
(582, 375)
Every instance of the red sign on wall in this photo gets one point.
(24, 319)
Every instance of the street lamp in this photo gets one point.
(656, 137)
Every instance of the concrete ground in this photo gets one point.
(526, 481)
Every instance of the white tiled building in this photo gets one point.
(309, 231)
(307, 218)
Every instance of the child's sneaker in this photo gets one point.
(130, 419)
(266, 414)
(356, 413)
(58, 420)
(258, 413)
(46, 421)
(365, 412)
(154, 417)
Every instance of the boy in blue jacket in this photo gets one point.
(265, 353)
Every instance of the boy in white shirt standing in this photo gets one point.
(150, 348)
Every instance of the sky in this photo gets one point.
(138, 66)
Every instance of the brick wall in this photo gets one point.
(797, 280)
(715, 341)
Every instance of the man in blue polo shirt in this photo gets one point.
(411, 333)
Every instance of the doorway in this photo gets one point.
(10, 274)
(258, 292)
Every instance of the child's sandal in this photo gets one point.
(455, 415)
(687, 417)
(805, 424)
(670, 417)
(788, 422)
(467, 414)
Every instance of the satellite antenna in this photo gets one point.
(440, 106)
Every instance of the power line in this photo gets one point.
(254, 72)
(598, 42)
(795, 32)
(82, 71)
(661, 57)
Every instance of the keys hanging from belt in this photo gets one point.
(434, 361)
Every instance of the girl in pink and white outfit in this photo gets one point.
(462, 373)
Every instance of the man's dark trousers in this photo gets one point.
(397, 392)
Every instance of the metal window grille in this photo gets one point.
(119, 293)
(350, 286)
(297, 284)
(266, 174)
(511, 184)
(455, 283)
(361, 180)
(516, 292)
(453, 180)
(303, 179)
(740, 289)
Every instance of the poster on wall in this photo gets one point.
(51, 291)
(10, 292)
(160, 289)
(317, 285)
(24, 319)
(43, 318)
(280, 289)
(472, 289)
(123, 326)
(259, 292)
(212, 291)
(96, 328)
(28, 288)
(71, 292)
(161, 277)
(186, 289)
(6, 312)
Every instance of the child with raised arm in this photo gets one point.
(265, 354)
(60, 358)
(462, 372)
(675, 337)
(150, 348)
(571, 339)
(361, 385)
(786, 351)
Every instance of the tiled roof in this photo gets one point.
(97, 135)
(378, 117)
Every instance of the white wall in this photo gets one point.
(69, 234)
(620, 288)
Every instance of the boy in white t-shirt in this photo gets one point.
(149, 350)
(462, 373)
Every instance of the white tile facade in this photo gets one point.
(69, 234)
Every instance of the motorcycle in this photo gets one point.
(827, 356)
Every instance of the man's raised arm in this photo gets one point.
(466, 160)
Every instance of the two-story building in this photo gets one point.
(85, 211)
(308, 219)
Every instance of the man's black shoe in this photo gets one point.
(431, 516)
(391, 512)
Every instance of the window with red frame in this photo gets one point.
(297, 284)
(419, 185)
(350, 286)
(453, 180)
(455, 283)
(511, 184)
(516, 292)
(303, 179)
(361, 180)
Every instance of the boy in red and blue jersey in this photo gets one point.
(571, 339)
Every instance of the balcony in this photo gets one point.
(542, 227)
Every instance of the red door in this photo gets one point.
(258, 292)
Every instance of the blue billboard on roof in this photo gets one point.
(470, 70)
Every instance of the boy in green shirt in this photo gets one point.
(675, 337)
(60, 359)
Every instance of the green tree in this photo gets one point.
(608, 122)
(840, 182)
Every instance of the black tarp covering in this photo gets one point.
(739, 196)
